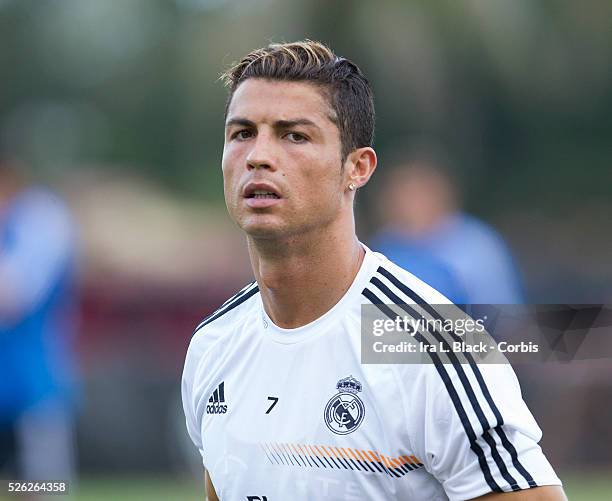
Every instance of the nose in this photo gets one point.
(261, 154)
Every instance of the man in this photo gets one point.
(423, 216)
(275, 397)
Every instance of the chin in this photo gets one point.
(265, 233)
(262, 229)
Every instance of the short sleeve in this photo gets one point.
(190, 401)
(477, 434)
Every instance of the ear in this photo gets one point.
(359, 166)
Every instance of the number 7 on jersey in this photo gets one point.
(274, 401)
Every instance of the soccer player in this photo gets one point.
(276, 399)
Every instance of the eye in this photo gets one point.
(242, 134)
(296, 137)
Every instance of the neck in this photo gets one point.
(302, 277)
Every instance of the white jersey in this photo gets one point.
(281, 414)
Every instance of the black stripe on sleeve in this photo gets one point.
(240, 298)
(239, 293)
(481, 382)
(452, 393)
(464, 381)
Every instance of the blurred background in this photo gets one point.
(495, 115)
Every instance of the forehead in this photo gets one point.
(262, 100)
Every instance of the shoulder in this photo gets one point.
(390, 283)
(212, 336)
(479, 232)
(231, 308)
(239, 308)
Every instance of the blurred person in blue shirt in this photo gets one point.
(37, 327)
(420, 263)
(422, 217)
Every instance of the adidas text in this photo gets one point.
(216, 409)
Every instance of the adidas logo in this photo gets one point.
(216, 402)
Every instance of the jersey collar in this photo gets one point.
(321, 325)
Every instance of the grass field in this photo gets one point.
(578, 486)
(139, 489)
(588, 486)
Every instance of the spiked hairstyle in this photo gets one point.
(344, 86)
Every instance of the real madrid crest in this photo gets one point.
(345, 411)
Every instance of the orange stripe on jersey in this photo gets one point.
(379, 459)
(375, 457)
(391, 463)
(344, 453)
(329, 456)
(295, 449)
(315, 451)
(321, 453)
(315, 454)
(335, 451)
(361, 457)
(403, 460)
(325, 451)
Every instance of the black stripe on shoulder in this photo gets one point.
(246, 293)
(486, 427)
(239, 293)
(481, 382)
(467, 426)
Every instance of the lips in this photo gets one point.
(261, 191)
(261, 196)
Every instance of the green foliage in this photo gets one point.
(516, 90)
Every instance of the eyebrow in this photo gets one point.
(239, 121)
(279, 124)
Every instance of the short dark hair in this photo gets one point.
(344, 85)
